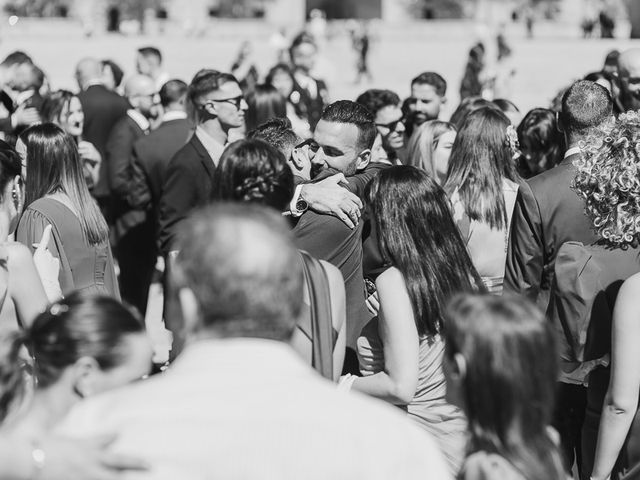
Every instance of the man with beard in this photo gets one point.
(629, 75)
(342, 143)
(385, 107)
(133, 226)
(428, 92)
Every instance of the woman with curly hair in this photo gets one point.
(600, 324)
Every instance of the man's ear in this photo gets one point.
(297, 159)
(443, 100)
(559, 123)
(364, 157)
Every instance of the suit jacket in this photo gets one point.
(547, 214)
(187, 185)
(102, 109)
(126, 212)
(152, 153)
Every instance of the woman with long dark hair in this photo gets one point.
(281, 77)
(482, 184)
(57, 195)
(401, 351)
(65, 110)
(541, 143)
(81, 346)
(265, 102)
(501, 365)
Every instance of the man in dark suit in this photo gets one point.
(342, 142)
(547, 214)
(219, 106)
(102, 109)
(152, 152)
(133, 228)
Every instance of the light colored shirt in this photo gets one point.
(139, 118)
(173, 115)
(252, 409)
(211, 145)
(572, 151)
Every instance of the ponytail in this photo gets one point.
(12, 377)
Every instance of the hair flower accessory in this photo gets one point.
(512, 139)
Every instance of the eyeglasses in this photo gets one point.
(393, 126)
(235, 101)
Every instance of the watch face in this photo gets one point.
(301, 205)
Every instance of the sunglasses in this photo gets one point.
(235, 101)
(393, 126)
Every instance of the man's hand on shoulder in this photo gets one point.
(328, 197)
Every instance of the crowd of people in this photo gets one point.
(355, 289)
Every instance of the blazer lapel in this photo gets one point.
(205, 158)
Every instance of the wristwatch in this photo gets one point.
(301, 206)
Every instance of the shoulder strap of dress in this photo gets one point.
(321, 321)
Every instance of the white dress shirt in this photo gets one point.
(211, 145)
(251, 409)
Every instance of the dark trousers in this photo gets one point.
(136, 254)
(571, 402)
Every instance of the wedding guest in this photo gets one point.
(482, 183)
(428, 96)
(401, 351)
(241, 293)
(56, 194)
(264, 102)
(430, 148)
(281, 77)
(65, 110)
(500, 355)
(384, 105)
(541, 143)
(81, 346)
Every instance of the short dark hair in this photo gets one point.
(205, 81)
(434, 79)
(585, 106)
(277, 132)
(376, 99)
(147, 52)
(15, 58)
(118, 74)
(172, 91)
(346, 111)
(241, 264)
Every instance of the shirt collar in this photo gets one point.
(174, 115)
(572, 151)
(211, 145)
(24, 96)
(140, 119)
(91, 83)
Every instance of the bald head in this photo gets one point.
(88, 70)
(629, 72)
(139, 85)
(244, 271)
(141, 92)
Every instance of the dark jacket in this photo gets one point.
(187, 185)
(125, 212)
(547, 214)
(152, 153)
(102, 109)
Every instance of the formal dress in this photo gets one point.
(251, 409)
(428, 409)
(82, 266)
(102, 109)
(487, 246)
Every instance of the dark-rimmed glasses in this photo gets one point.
(393, 126)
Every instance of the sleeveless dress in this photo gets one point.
(82, 266)
(428, 409)
(487, 246)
